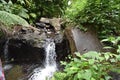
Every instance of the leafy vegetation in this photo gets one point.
(11, 19)
(14, 8)
(8, 20)
(92, 65)
(112, 43)
(34, 9)
(28, 11)
(103, 15)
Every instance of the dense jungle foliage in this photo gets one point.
(22, 12)
(31, 10)
(92, 65)
(101, 15)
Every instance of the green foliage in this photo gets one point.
(17, 9)
(103, 15)
(59, 76)
(9, 19)
(112, 43)
(32, 9)
(91, 65)
(75, 8)
(46, 8)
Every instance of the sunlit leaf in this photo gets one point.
(91, 54)
(107, 56)
(77, 54)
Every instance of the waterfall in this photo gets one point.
(6, 50)
(50, 59)
(50, 64)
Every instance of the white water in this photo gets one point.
(50, 64)
(6, 50)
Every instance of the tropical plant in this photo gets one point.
(89, 66)
(9, 19)
(92, 65)
(14, 8)
(103, 15)
(112, 43)
(34, 9)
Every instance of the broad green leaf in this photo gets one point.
(104, 40)
(33, 15)
(112, 60)
(87, 74)
(92, 78)
(118, 38)
(118, 57)
(95, 67)
(77, 60)
(63, 63)
(77, 54)
(118, 50)
(107, 56)
(108, 78)
(107, 47)
(91, 54)
(91, 61)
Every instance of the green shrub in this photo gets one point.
(113, 43)
(14, 8)
(102, 15)
(91, 65)
(32, 9)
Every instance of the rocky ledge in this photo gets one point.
(27, 43)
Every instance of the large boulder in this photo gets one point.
(55, 22)
(83, 41)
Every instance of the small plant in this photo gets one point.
(91, 65)
(112, 43)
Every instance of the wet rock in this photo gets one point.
(24, 51)
(51, 24)
(82, 41)
(19, 71)
(27, 44)
(114, 75)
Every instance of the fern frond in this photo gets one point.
(11, 19)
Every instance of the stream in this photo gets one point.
(32, 71)
(6, 51)
(50, 64)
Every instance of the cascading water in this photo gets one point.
(50, 64)
(6, 50)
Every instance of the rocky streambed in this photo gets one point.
(24, 49)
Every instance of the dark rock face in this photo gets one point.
(28, 45)
(21, 51)
(115, 75)
(29, 50)
(62, 49)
